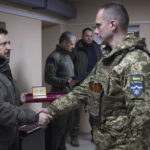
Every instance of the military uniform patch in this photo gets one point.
(51, 63)
(136, 85)
(95, 87)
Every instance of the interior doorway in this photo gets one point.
(3, 25)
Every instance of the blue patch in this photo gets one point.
(136, 89)
(136, 77)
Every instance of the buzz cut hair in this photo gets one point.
(117, 11)
(68, 36)
(3, 31)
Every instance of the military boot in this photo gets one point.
(75, 141)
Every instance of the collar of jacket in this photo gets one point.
(4, 67)
(81, 45)
(62, 50)
(129, 43)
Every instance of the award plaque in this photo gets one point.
(48, 98)
(39, 92)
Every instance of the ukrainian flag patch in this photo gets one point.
(136, 85)
(51, 63)
(136, 77)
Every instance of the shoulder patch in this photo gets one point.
(136, 85)
(136, 77)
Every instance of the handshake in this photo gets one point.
(44, 117)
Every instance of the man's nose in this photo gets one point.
(96, 31)
(8, 46)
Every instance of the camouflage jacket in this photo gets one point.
(117, 91)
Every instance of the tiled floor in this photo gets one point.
(85, 143)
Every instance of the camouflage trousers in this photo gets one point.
(125, 140)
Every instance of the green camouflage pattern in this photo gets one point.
(122, 113)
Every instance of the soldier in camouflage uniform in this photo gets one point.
(118, 87)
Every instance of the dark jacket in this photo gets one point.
(79, 56)
(59, 69)
(11, 116)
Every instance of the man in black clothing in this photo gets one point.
(85, 56)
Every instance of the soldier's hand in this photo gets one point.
(42, 110)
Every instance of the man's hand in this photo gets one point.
(44, 110)
(44, 116)
(44, 119)
(23, 97)
(72, 82)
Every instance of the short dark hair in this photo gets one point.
(3, 31)
(116, 11)
(86, 29)
(68, 36)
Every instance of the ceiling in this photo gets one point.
(59, 7)
(75, 0)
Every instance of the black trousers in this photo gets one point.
(60, 129)
(92, 121)
(76, 122)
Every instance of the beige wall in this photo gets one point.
(145, 32)
(86, 11)
(49, 40)
(26, 55)
(50, 37)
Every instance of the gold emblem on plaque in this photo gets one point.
(39, 92)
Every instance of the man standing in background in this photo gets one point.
(59, 70)
(85, 56)
(11, 115)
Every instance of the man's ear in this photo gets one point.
(64, 42)
(113, 25)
